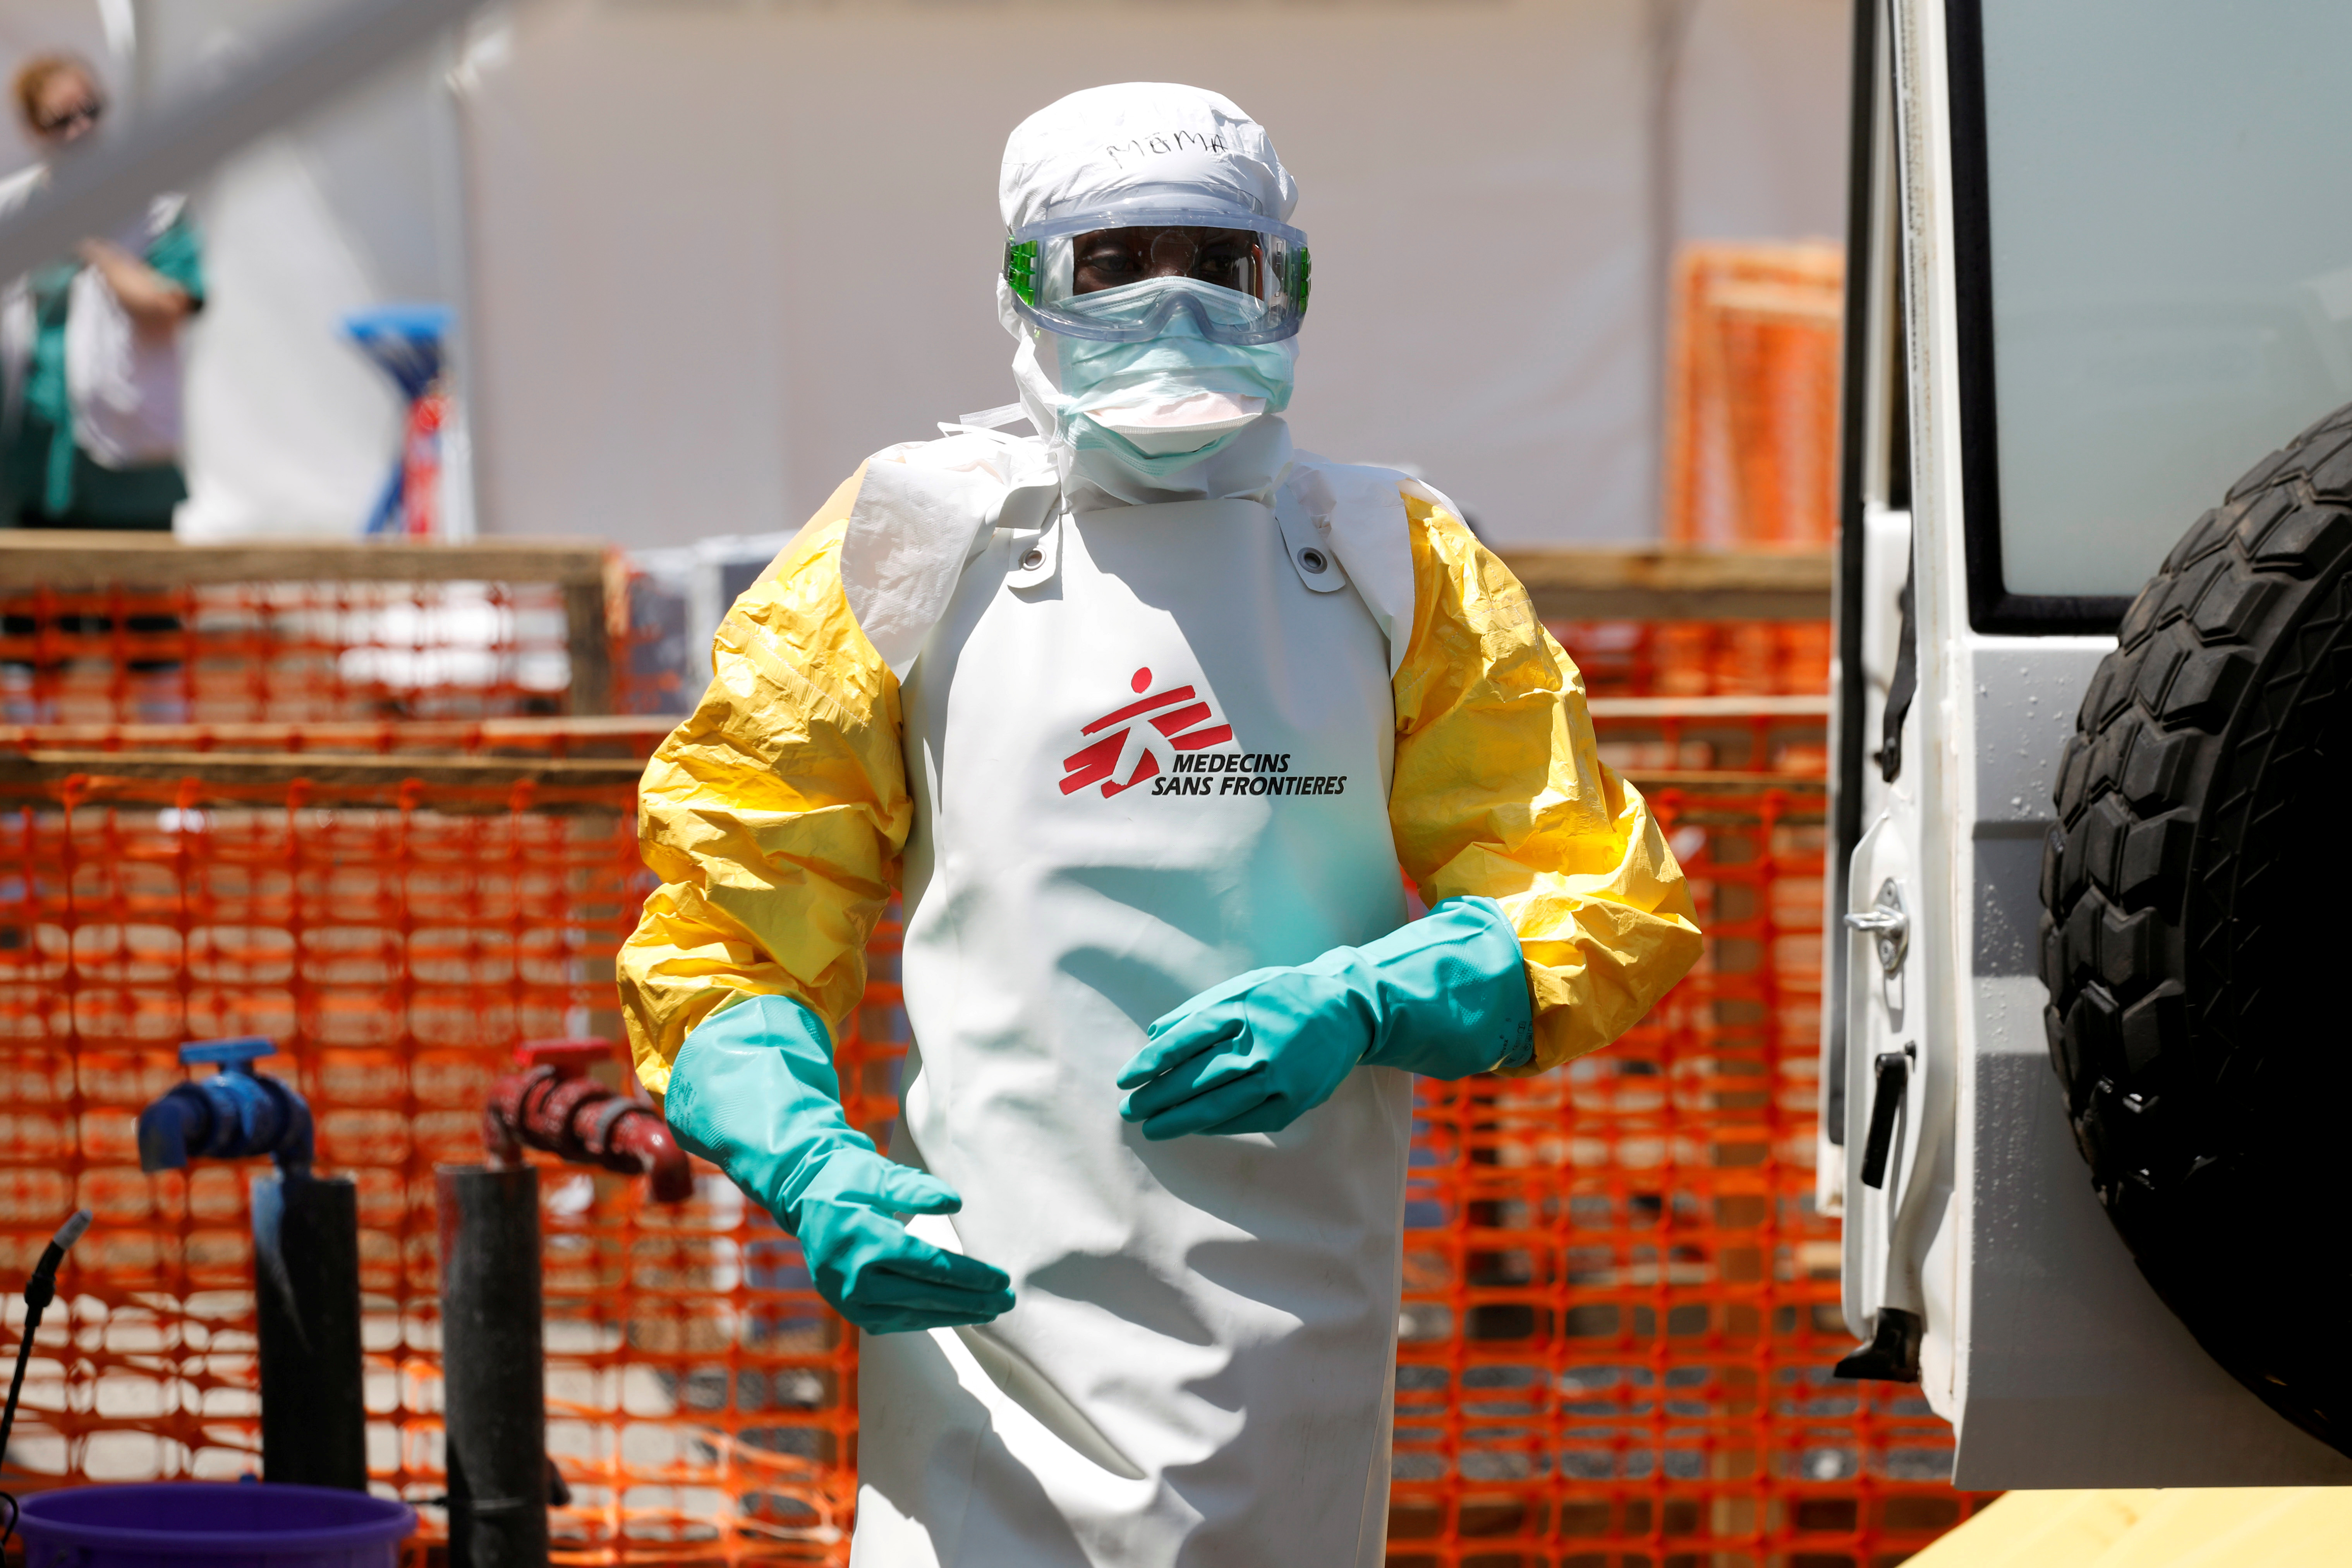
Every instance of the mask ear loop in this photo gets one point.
(1039, 394)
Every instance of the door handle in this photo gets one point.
(1889, 923)
(1893, 1073)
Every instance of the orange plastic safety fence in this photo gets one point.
(1619, 1306)
(285, 651)
(1751, 401)
(396, 941)
(1700, 659)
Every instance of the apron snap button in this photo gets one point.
(1034, 559)
(1313, 561)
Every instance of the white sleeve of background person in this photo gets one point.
(290, 431)
(123, 384)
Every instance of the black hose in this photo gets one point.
(15, 1390)
(39, 1291)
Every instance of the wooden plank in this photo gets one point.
(1652, 779)
(389, 736)
(386, 737)
(323, 767)
(71, 561)
(1701, 709)
(320, 768)
(1652, 583)
(590, 691)
(1585, 583)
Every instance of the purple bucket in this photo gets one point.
(213, 1525)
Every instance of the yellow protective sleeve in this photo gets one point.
(789, 780)
(774, 815)
(1500, 793)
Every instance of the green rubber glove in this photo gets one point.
(1444, 996)
(753, 1091)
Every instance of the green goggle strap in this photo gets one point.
(1021, 270)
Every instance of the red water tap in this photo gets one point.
(554, 1105)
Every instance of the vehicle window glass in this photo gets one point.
(2172, 264)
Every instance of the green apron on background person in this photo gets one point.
(46, 481)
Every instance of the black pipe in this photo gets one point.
(306, 1277)
(492, 1367)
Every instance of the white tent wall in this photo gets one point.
(724, 249)
(1760, 97)
(290, 430)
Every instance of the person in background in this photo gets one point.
(91, 417)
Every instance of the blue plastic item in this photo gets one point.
(234, 1114)
(249, 1525)
(405, 341)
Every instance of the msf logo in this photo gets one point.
(1133, 737)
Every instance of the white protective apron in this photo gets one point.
(1144, 761)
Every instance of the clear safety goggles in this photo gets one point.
(1072, 275)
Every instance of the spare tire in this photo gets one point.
(2197, 934)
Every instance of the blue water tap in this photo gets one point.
(232, 1115)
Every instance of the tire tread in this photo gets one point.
(2152, 893)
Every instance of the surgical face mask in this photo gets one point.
(1170, 400)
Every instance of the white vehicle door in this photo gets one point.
(2091, 275)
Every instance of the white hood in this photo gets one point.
(1141, 140)
(1154, 142)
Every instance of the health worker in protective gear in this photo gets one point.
(1150, 720)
